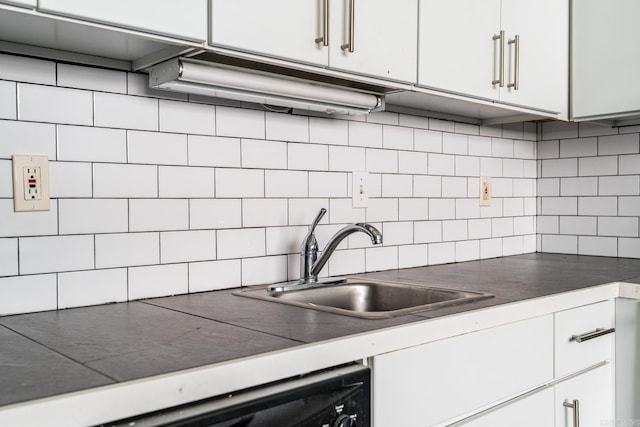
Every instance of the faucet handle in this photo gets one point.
(317, 220)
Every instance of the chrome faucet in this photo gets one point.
(311, 264)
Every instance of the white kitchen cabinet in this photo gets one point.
(384, 34)
(535, 410)
(605, 58)
(627, 364)
(460, 51)
(185, 20)
(438, 381)
(592, 391)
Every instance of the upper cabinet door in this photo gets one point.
(185, 20)
(605, 59)
(285, 29)
(542, 50)
(457, 50)
(375, 37)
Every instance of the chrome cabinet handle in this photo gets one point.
(591, 335)
(575, 405)
(500, 80)
(324, 38)
(516, 66)
(349, 44)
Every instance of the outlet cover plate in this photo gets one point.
(30, 173)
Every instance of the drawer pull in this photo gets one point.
(575, 405)
(591, 335)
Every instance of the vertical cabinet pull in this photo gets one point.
(516, 63)
(324, 38)
(500, 80)
(349, 44)
(575, 405)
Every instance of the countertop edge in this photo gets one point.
(129, 398)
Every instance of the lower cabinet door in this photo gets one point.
(593, 394)
(532, 411)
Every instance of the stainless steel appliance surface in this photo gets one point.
(337, 397)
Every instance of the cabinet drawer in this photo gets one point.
(571, 355)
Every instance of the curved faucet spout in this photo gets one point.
(368, 229)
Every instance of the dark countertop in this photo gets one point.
(55, 352)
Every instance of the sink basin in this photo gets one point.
(368, 298)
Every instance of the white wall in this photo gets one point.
(589, 190)
(155, 195)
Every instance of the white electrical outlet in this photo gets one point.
(360, 192)
(30, 183)
(485, 191)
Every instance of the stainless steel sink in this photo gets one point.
(368, 298)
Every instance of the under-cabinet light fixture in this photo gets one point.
(209, 79)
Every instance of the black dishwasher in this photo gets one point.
(339, 397)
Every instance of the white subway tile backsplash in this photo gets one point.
(524, 225)
(304, 211)
(467, 128)
(559, 130)
(215, 213)
(70, 179)
(491, 167)
(586, 129)
(442, 209)
(502, 227)
(479, 228)
(55, 254)
(23, 69)
(92, 78)
(264, 212)
(523, 149)
(579, 147)
(513, 245)
(214, 275)
(618, 226)
(27, 138)
(180, 182)
(397, 233)
(125, 112)
(598, 246)
(383, 161)
(442, 125)
(491, 130)
(213, 151)
(412, 256)
(548, 187)
(513, 206)
(241, 243)
(441, 164)
(579, 186)
(285, 127)
(427, 186)
(467, 166)
(240, 122)
(413, 209)
(23, 294)
(468, 250)
(328, 131)
(284, 240)
(16, 224)
(442, 253)
(8, 102)
(598, 166)
(92, 144)
(114, 180)
(185, 246)
(328, 184)
(234, 183)
(365, 134)
(412, 162)
(629, 206)
(524, 188)
(501, 147)
(396, 137)
(86, 216)
(158, 280)
(578, 225)
(158, 214)
(397, 185)
(597, 206)
(559, 168)
(185, 117)
(559, 244)
(629, 248)
(157, 148)
(381, 258)
(127, 249)
(495, 210)
(549, 149)
(256, 271)
(413, 121)
(308, 157)
(427, 231)
(560, 206)
(619, 185)
(92, 287)
(427, 140)
(282, 183)
(454, 230)
(263, 154)
(490, 248)
(548, 224)
(513, 168)
(454, 186)
(383, 118)
(619, 144)
(454, 143)
(502, 187)
(629, 165)
(347, 159)
(9, 257)
(382, 210)
(344, 262)
(480, 145)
